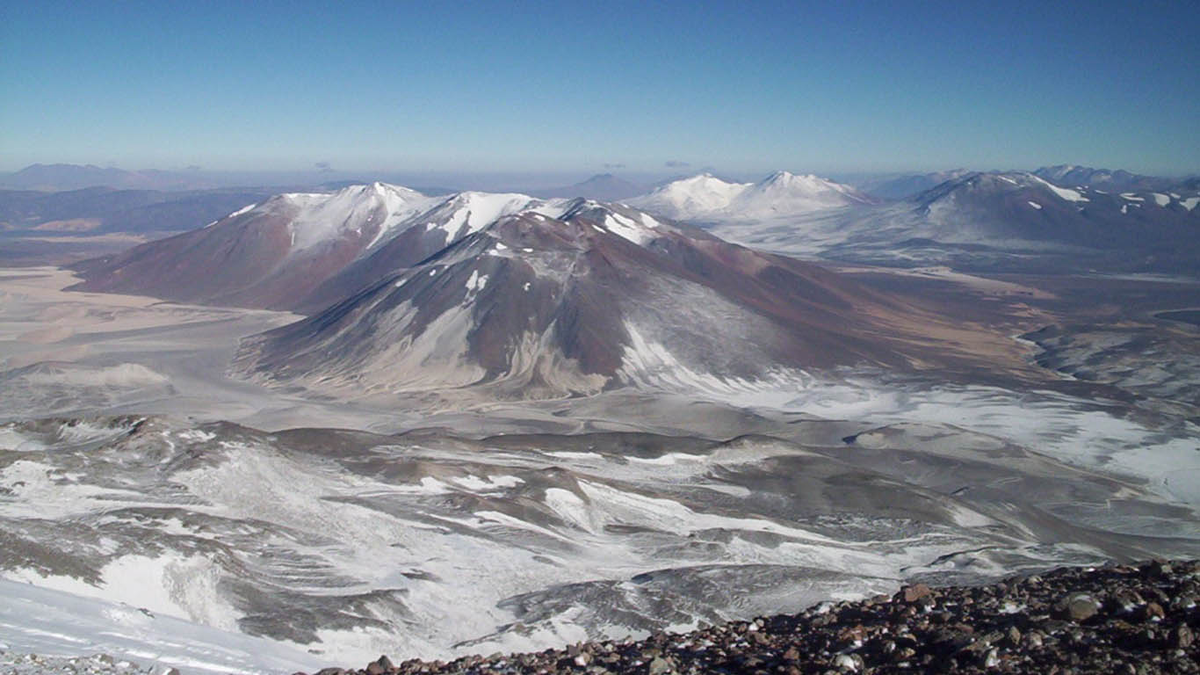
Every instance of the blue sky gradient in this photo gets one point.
(743, 87)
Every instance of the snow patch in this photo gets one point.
(570, 508)
(486, 484)
(317, 219)
(12, 440)
(40, 620)
(473, 211)
(242, 210)
(195, 436)
(627, 229)
(170, 585)
(476, 283)
(1067, 194)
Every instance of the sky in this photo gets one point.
(642, 87)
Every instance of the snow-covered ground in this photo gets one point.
(347, 546)
(49, 623)
(333, 547)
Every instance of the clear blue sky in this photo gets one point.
(568, 86)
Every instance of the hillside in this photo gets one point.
(1122, 619)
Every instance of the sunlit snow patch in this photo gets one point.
(1069, 195)
(47, 621)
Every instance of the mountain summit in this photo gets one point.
(785, 194)
(520, 297)
(690, 198)
(275, 253)
(781, 194)
(604, 187)
(1085, 176)
(577, 297)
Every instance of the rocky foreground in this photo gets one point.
(1119, 619)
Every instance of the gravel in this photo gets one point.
(1137, 619)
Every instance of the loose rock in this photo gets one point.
(1115, 619)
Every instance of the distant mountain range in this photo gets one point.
(1084, 176)
(102, 210)
(523, 296)
(999, 221)
(993, 213)
(604, 187)
(908, 185)
(57, 177)
(1067, 175)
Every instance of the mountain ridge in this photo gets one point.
(780, 194)
(545, 303)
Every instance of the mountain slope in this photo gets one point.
(1085, 176)
(976, 632)
(1026, 206)
(273, 254)
(1000, 220)
(556, 301)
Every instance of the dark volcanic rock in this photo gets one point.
(1070, 620)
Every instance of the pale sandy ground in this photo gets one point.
(144, 356)
(984, 285)
(87, 342)
(122, 354)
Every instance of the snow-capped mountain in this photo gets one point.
(782, 194)
(987, 207)
(1075, 176)
(527, 297)
(996, 220)
(581, 297)
(275, 253)
(690, 198)
(303, 251)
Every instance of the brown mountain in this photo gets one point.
(581, 297)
